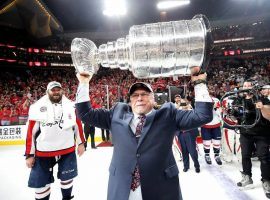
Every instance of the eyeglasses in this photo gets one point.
(136, 95)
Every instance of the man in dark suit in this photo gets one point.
(89, 130)
(143, 165)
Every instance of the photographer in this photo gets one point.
(265, 109)
(258, 135)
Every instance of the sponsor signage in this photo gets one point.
(12, 135)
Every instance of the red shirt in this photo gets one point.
(14, 99)
(22, 111)
(5, 114)
(14, 116)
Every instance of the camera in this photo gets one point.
(237, 110)
(183, 104)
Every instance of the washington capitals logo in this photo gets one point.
(43, 109)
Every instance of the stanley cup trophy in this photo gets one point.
(151, 50)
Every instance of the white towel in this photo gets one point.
(42, 111)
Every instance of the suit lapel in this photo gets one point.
(147, 126)
(127, 118)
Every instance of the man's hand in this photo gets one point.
(199, 77)
(81, 149)
(84, 77)
(265, 109)
(30, 162)
(259, 105)
(195, 70)
(195, 76)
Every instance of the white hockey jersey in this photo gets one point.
(54, 135)
(216, 122)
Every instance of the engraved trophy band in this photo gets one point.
(161, 49)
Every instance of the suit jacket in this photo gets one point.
(152, 153)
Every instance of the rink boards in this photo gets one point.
(16, 135)
(12, 135)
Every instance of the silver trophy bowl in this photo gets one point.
(83, 54)
(161, 49)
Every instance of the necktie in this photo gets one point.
(136, 175)
(140, 126)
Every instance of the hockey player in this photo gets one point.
(52, 129)
(230, 145)
(211, 133)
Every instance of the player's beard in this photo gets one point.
(55, 98)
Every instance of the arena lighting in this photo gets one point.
(47, 13)
(30, 64)
(11, 60)
(11, 46)
(35, 50)
(21, 48)
(8, 60)
(115, 8)
(163, 5)
(61, 64)
(58, 52)
(233, 40)
(256, 50)
(7, 7)
(37, 64)
(231, 52)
